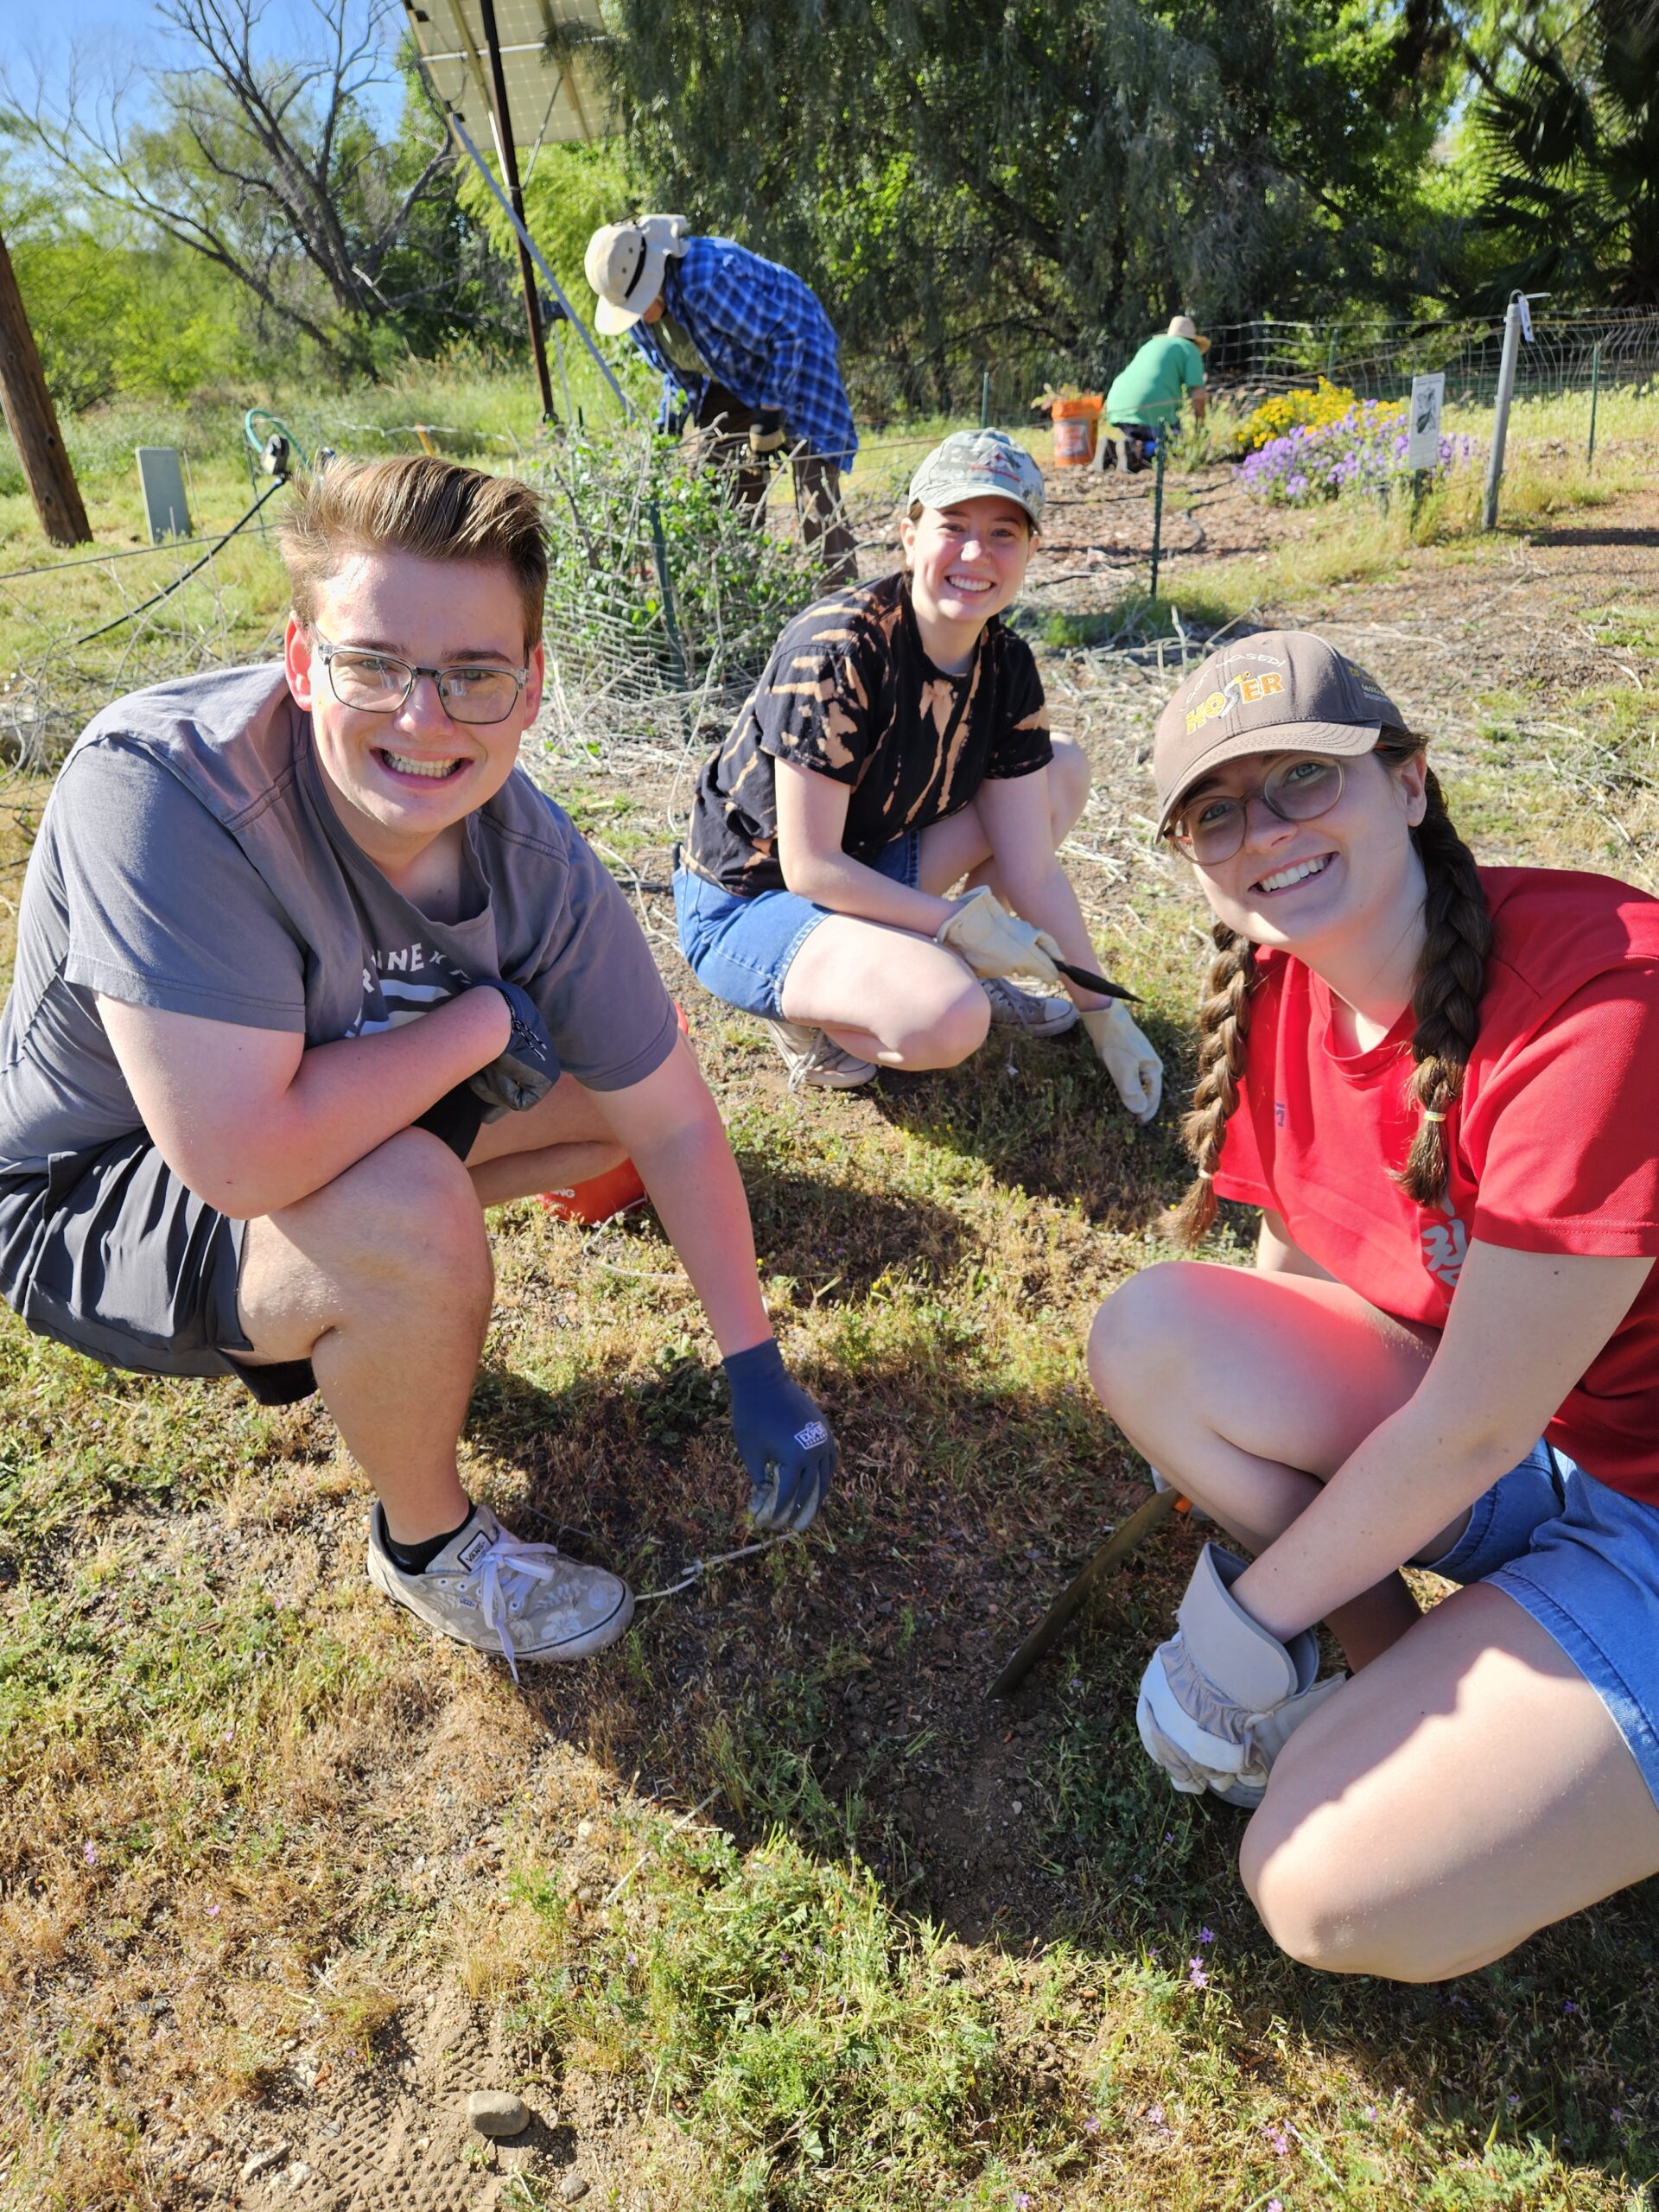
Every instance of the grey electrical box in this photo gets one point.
(161, 477)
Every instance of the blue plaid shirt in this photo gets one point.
(763, 335)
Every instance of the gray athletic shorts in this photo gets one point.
(109, 1252)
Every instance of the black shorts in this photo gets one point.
(109, 1253)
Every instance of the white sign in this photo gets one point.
(1423, 437)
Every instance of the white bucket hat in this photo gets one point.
(625, 264)
(1182, 325)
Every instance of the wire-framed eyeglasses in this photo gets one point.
(379, 684)
(1299, 789)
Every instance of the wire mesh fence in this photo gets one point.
(1378, 357)
(665, 599)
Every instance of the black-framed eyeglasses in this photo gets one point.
(1298, 789)
(379, 684)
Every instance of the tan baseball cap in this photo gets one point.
(1279, 692)
(977, 465)
(1182, 325)
(625, 264)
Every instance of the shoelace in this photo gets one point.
(509, 1555)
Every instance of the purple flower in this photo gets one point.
(89, 1853)
(1196, 1974)
(1569, 2006)
(1370, 2112)
(1278, 2141)
(1206, 1934)
(1022, 2201)
(1091, 2125)
(1274, 2205)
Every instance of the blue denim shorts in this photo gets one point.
(739, 949)
(1583, 1559)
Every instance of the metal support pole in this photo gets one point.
(1595, 394)
(1158, 510)
(502, 117)
(1501, 416)
(452, 116)
(985, 400)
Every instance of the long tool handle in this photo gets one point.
(1128, 1536)
(1086, 979)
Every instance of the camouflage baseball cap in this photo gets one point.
(1279, 692)
(978, 464)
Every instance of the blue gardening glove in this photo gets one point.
(1223, 1697)
(782, 1439)
(522, 1076)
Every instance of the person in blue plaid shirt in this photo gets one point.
(748, 357)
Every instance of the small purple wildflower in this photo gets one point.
(1155, 2118)
(1615, 2115)
(1169, 1835)
(1196, 1974)
(1206, 1934)
(1370, 2112)
(1022, 2201)
(1274, 2205)
(1278, 2142)
(1569, 2006)
(212, 1911)
(1513, 2101)
(1091, 2125)
(89, 1853)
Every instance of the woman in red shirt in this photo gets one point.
(1437, 1083)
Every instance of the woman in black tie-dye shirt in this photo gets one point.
(898, 743)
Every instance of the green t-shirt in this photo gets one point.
(1153, 386)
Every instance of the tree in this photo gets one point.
(272, 169)
(964, 177)
(1566, 136)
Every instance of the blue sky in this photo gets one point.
(105, 34)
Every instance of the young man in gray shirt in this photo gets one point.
(309, 973)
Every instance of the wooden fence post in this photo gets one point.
(33, 419)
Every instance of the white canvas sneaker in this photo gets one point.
(813, 1058)
(488, 1588)
(1037, 1015)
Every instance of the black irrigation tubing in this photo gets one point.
(155, 598)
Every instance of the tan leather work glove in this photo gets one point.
(1128, 1057)
(765, 435)
(997, 943)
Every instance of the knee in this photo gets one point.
(1136, 1331)
(1309, 1887)
(406, 1213)
(1070, 777)
(947, 1026)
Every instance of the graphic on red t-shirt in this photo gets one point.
(1551, 1147)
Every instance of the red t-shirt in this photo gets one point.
(1553, 1145)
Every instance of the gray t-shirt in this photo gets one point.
(190, 859)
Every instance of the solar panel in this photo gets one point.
(548, 100)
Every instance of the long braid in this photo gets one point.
(1445, 1001)
(1451, 978)
(1224, 1027)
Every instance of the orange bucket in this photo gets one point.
(1077, 424)
(619, 1190)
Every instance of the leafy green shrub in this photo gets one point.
(662, 597)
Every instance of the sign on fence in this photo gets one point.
(1423, 437)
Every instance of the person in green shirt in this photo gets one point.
(1148, 394)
